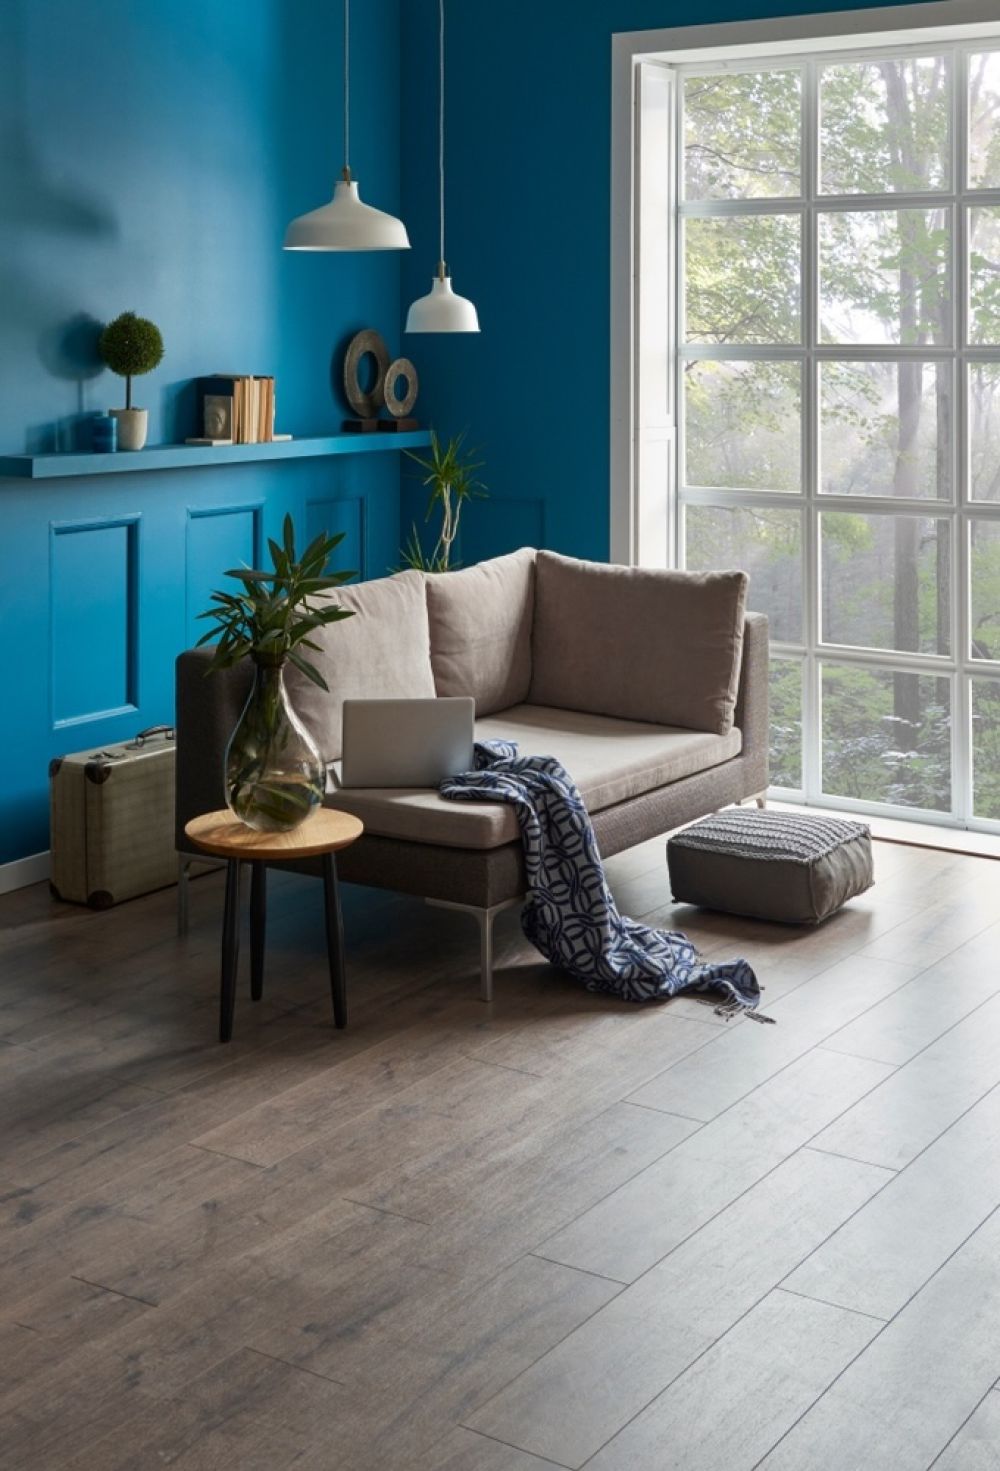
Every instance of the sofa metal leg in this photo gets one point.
(185, 863)
(484, 917)
(759, 797)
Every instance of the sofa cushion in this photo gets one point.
(480, 623)
(419, 815)
(638, 643)
(383, 652)
(610, 760)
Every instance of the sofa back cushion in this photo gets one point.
(641, 644)
(480, 623)
(383, 652)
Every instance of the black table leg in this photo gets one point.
(258, 926)
(230, 950)
(335, 939)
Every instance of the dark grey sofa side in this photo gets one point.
(208, 707)
(753, 701)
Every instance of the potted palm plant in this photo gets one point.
(275, 777)
(131, 345)
(452, 480)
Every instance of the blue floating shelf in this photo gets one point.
(192, 456)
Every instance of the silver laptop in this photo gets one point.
(406, 743)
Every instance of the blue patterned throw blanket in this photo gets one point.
(570, 915)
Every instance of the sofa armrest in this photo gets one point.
(208, 708)
(753, 699)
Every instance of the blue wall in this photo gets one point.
(151, 154)
(528, 177)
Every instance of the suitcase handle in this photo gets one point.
(151, 730)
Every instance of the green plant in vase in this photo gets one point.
(275, 777)
(452, 481)
(131, 345)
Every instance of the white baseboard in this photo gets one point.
(24, 871)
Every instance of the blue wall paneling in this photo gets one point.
(151, 155)
(347, 517)
(94, 619)
(97, 607)
(218, 537)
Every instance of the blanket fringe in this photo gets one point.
(728, 1009)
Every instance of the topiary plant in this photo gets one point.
(130, 345)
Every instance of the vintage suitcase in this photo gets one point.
(112, 820)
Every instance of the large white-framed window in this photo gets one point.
(813, 355)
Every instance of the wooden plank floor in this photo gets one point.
(558, 1230)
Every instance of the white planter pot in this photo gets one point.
(132, 427)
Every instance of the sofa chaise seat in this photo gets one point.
(649, 686)
(610, 760)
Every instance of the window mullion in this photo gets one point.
(811, 694)
(711, 495)
(834, 352)
(675, 536)
(961, 586)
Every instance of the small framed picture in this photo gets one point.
(218, 416)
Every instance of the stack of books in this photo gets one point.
(236, 408)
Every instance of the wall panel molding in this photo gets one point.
(93, 619)
(216, 538)
(347, 514)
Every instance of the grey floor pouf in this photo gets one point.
(783, 866)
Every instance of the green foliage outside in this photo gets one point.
(986, 747)
(130, 346)
(741, 420)
(786, 723)
(985, 554)
(862, 611)
(871, 753)
(764, 541)
(886, 428)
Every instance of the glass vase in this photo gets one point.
(275, 777)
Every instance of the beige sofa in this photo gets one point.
(649, 686)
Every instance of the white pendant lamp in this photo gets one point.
(441, 310)
(346, 223)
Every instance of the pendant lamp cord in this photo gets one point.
(442, 271)
(347, 90)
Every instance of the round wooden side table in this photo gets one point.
(222, 835)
